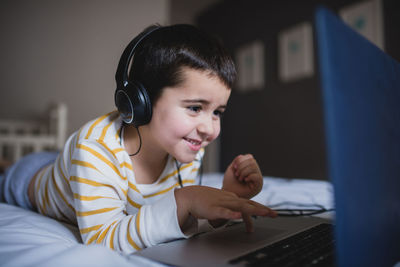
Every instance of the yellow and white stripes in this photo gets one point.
(92, 184)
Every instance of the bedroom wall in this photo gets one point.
(282, 125)
(186, 11)
(53, 51)
(67, 51)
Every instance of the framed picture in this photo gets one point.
(250, 66)
(296, 60)
(366, 18)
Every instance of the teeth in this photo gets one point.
(193, 141)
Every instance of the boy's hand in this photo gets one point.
(243, 177)
(204, 202)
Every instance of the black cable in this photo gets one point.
(285, 203)
(140, 143)
(304, 210)
(140, 139)
(300, 212)
(200, 173)
(179, 174)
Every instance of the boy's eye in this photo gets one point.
(194, 108)
(218, 113)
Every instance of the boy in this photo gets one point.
(128, 179)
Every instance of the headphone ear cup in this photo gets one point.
(134, 104)
(143, 108)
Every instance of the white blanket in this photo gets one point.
(30, 239)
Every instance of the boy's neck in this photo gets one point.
(149, 163)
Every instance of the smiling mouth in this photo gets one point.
(192, 141)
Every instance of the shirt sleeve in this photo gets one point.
(100, 196)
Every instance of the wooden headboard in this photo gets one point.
(18, 138)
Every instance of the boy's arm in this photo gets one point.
(101, 202)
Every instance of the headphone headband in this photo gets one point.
(121, 76)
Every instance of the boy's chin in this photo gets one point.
(186, 158)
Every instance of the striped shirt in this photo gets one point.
(92, 184)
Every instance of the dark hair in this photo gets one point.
(161, 56)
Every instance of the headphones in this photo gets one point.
(131, 97)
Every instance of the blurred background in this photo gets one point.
(66, 51)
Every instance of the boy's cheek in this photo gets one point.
(217, 131)
(214, 137)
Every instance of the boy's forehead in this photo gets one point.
(212, 93)
(204, 86)
(198, 78)
(198, 86)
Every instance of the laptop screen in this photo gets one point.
(361, 96)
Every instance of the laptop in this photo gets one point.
(361, 99)
(361, 96)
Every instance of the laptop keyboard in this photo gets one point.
(312, 247)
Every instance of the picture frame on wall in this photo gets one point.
(367, 19)
(250, 66)
(296, 59)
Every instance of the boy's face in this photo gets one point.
(187, 117)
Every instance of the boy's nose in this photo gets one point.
(206, 127)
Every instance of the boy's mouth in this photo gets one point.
(192, 141)
(194, 144)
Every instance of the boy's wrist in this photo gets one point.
(182, 209)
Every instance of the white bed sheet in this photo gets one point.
(30, 239)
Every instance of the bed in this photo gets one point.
(30, 239)
(20, 137)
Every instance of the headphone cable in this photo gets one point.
(178, 166)
(140, 139)
(200, 173)
(140, 143)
